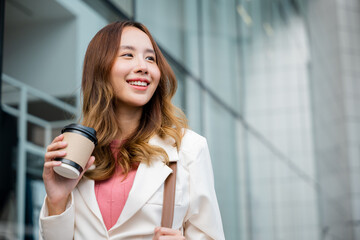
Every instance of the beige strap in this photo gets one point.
(169, 198)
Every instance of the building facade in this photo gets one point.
(273, 85)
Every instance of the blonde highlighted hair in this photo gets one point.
(159, 117)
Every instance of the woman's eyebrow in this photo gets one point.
(128, 47)
(149, 50)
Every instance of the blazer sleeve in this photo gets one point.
(203, 219)
(57, 227)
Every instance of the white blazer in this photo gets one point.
(196, 210)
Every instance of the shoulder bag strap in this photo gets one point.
(169, 198)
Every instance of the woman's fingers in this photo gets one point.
(168, 231)
(89, 163)
(54, 150)
(52, 164)
(171, 238)
(162, 233)
(55, 154)
(58, 138)
(48, 166)
(56, 145)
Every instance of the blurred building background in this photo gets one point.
(274, 85)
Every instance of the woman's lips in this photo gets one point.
(140, 84)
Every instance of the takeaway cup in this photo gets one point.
(81, 143)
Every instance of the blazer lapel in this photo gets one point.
(148, 179)
(86, 188)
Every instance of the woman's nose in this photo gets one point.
(141, 66)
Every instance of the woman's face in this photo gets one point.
(135, 74)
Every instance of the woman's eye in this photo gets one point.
(126, 55)
(150, 58)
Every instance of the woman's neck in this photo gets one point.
(128, 121)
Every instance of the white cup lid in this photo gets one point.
(67, 171)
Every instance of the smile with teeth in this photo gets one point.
(138, 83)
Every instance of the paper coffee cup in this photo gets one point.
(81, 143)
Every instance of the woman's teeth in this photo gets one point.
(138, 83)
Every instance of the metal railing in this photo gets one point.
(24, 146)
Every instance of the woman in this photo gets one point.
(127, 88)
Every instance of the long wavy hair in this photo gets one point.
(159, 117)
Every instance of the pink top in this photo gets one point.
(111, 194)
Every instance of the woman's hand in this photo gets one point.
(162, 233)
(58, 188)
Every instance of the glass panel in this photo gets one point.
(165, 23)
(219, 50)
(219, 126)
(179, 98)
(125, 5)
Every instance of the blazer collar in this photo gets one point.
(86, 189)
(168, 145)
(148, 180)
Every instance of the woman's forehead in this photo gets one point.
(133, 37)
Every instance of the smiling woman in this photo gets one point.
(135, 74)
(127, 88)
